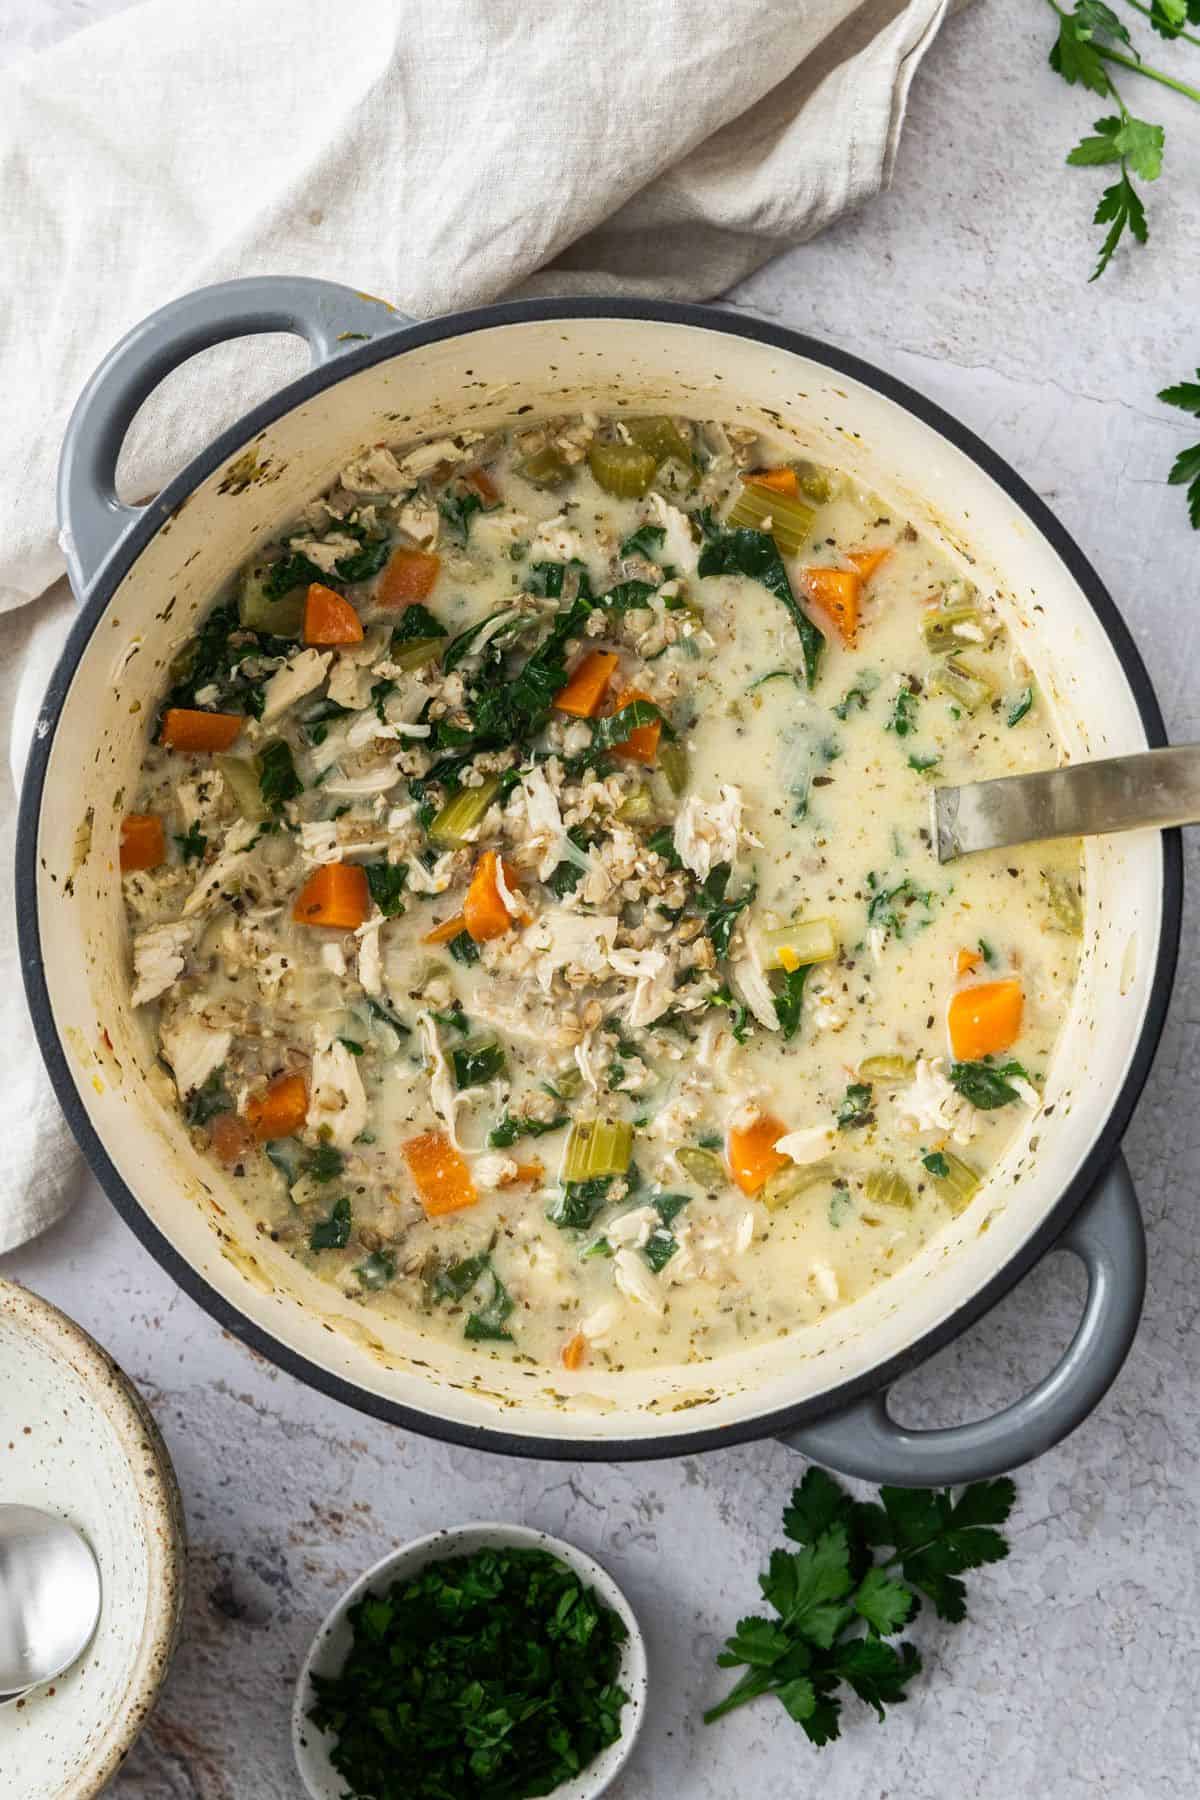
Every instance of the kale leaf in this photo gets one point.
(755, 554)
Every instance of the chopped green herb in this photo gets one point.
(488, 1322)
(923, 764)
(987, 953)
(417, 625)
(662, 843)
(457, 509)
(619, 727)
(889, 909)
(855, 1109)
(324, 1161)
(577, 1202)
(385, 882)
(903, 717)
(937, 1165)
(789, 1001)
(192, 843)
(332, 1233)
(487, 1677)
(463, 948)
(834, 1604)
(353, 1046)
(856, 697)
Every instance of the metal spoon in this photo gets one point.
(1153, 788)
(49, 1598)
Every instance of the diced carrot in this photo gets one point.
(230, 1137)
(751, 1152)
(985, 1019)
(967, 961)
(484, 912)
(328, 619)
(441, 1176)
(525, 1172)
(444, 933)
(836, 592)
(484, 486)
(185, 729)
(408, 575)
(587, 685)
(280, 1110)
(574, 1351)
(642, 743)
(780, 481)
(867, 561)
(143, 841)
(335, 894)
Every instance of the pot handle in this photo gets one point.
(863, 1439)
(331, 318)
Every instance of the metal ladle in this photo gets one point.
(1153, 788)
(49, 1598)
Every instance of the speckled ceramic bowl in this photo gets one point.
(76, 1438)
(331, 1646)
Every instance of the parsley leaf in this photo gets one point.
(937, 1165)
(836, 1603)
(755, 554)
(464, 949)
(903, 718)
(789, 1002)
(855, 1109)
(1186, 467)
(508, 1130)
(1020, 707)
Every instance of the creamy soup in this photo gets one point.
(532, 897)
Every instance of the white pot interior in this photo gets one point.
(481, 378)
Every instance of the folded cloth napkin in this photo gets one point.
(436, 152)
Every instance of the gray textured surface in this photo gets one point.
(1075, 1676)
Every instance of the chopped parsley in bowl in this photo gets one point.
(491, 1662)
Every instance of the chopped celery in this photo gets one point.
(661, 437)
(241, 774)
(596, 1147)
(956, 1181)
(416, 653)
(791, 520)
(622, 469)
(815, 481)
(885, 1187)
(788, 1184)
(953, 678)
(1065, 900)
(637, 805)
(704, 1166)
(886, 1068)
(804, 941)
(673, 761)
(462, 812)
(939, 626)
(258, 612)
(546, 468)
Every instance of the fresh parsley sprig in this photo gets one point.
(836, 1601)
(1091, 38)
(1185, 470)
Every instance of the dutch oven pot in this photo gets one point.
(144, 576)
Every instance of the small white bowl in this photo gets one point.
(332, 1643)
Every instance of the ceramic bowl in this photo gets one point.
(332, 1644)
(77, 1439)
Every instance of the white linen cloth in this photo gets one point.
(439, 153)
